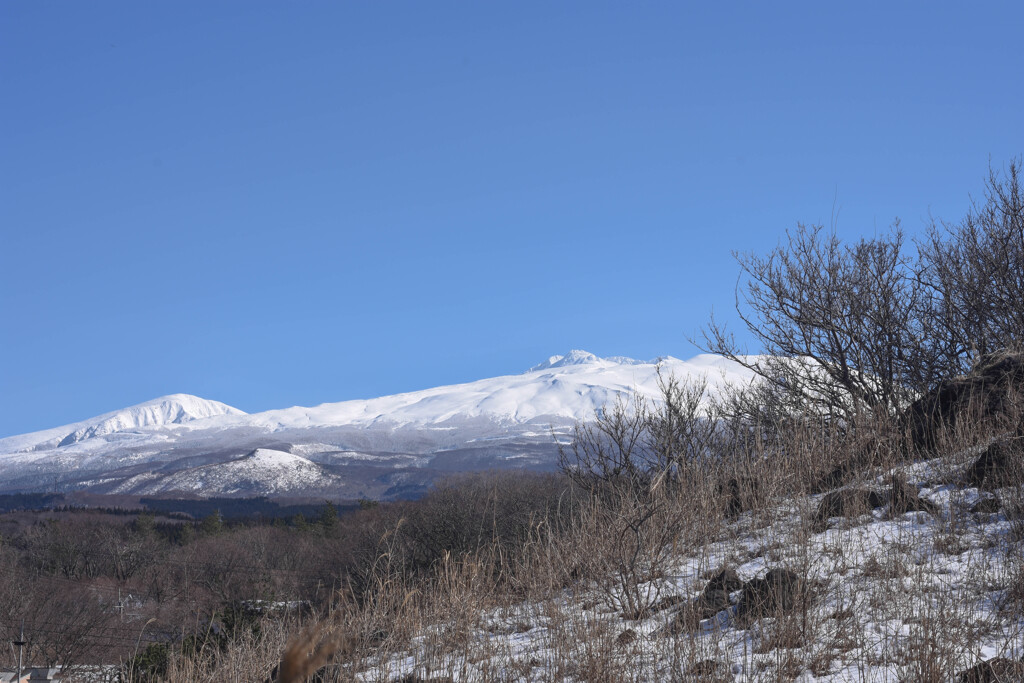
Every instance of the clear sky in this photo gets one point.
(281, 203)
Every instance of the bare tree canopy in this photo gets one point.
(976, 269)
(858, 330)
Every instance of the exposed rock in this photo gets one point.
(712, 600)
(998, 670)
(847, 503)
(741, 494)
(988, 505)
(724, 580)
(1002, 464)
(983, 395)
(665, 603)
(834, 478)
(905, 498)
(710, 670)
(707, 605)
(780, 591)
(626, 637)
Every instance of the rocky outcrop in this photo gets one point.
(851, 503)
(997, 670)
(987, 394)
(904, 498)
(712, 600)
(740, 495)
(724, 580)
(848, 503)
(779, 592)
(1002, 464)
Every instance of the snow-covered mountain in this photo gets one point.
(262, 472)
(175, 409)
(383, 447)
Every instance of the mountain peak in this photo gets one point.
(580, 357)
(172, 409)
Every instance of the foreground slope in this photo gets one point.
(931, 593)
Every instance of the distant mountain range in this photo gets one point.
(388, 447)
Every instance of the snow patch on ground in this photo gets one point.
(885, 589)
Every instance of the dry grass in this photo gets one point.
(891, 595)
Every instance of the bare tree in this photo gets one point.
(631, 461)
(608, 456)
(844, 330)
(65, 623)
(854, 331)
(976, 270)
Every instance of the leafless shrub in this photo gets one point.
(844, 328)
(855, 332)
(976, 268)
(64, 623)
(634, 461)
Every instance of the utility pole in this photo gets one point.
(21, 644)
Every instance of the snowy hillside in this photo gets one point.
(262, 472)
(382, 447)
(175, 409)
(571, 387)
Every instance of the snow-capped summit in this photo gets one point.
(379, 447)
(174, 409)
(579, 357)
(574, 357)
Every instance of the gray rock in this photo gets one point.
(905, 498)
(725, 580)
(847, 503)
(779, 592)
(998, 670)
(1002, 464)
(983, 395)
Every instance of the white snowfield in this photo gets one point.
(266, 470)
(393, 431)
(176, 409)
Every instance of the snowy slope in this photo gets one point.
(894, 596)
(263, 472)
(165, 444)
(175, 409)
(571, 387)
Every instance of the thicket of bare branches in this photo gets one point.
(634, 461)
(856, 331)
(976, 269)
(842, 327)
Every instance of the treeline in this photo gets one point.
(94, 589)
(29, 501)
(238, 508)
(257, 508)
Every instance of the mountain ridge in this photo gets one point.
(170, 409)
(369, 446)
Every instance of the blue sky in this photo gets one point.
(271, 203)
